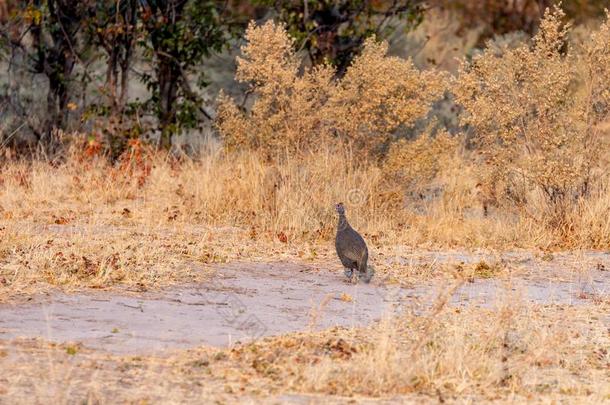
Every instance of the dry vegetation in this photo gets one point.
(300, 112)
(544, 141)
(514, 352)
(529, 170)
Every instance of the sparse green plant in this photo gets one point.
(72, 350)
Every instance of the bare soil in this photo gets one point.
(245, 301)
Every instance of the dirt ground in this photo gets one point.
(56, 344)
(245, 301)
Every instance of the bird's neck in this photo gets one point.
(342, 222)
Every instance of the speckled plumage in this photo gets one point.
(351, 248)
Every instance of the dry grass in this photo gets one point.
(514, 352)
(95, 225)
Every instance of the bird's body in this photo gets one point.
(351, 248)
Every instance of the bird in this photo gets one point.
(351, 249)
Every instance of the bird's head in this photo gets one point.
(340, 208)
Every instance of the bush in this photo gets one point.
(296, 112)
(536, 112)
(418, 163)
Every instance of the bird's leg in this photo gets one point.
(368, 274)
(348, 273)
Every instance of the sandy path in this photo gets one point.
(250, 300)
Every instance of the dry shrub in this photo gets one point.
(286, 113)
(536, 111)
(379, 94)
(417, 163)
(296, 112)
(436, 176)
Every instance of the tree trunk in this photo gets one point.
(57, 60)
(167, 69)
(168, 76)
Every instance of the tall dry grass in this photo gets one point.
(94, 224)
(511, 350)
(295, 197)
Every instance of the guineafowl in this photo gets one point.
(351, 248)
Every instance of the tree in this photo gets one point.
(46, 35)
(179, 34)
(113, 28)
(54, 37)
(335, 30)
